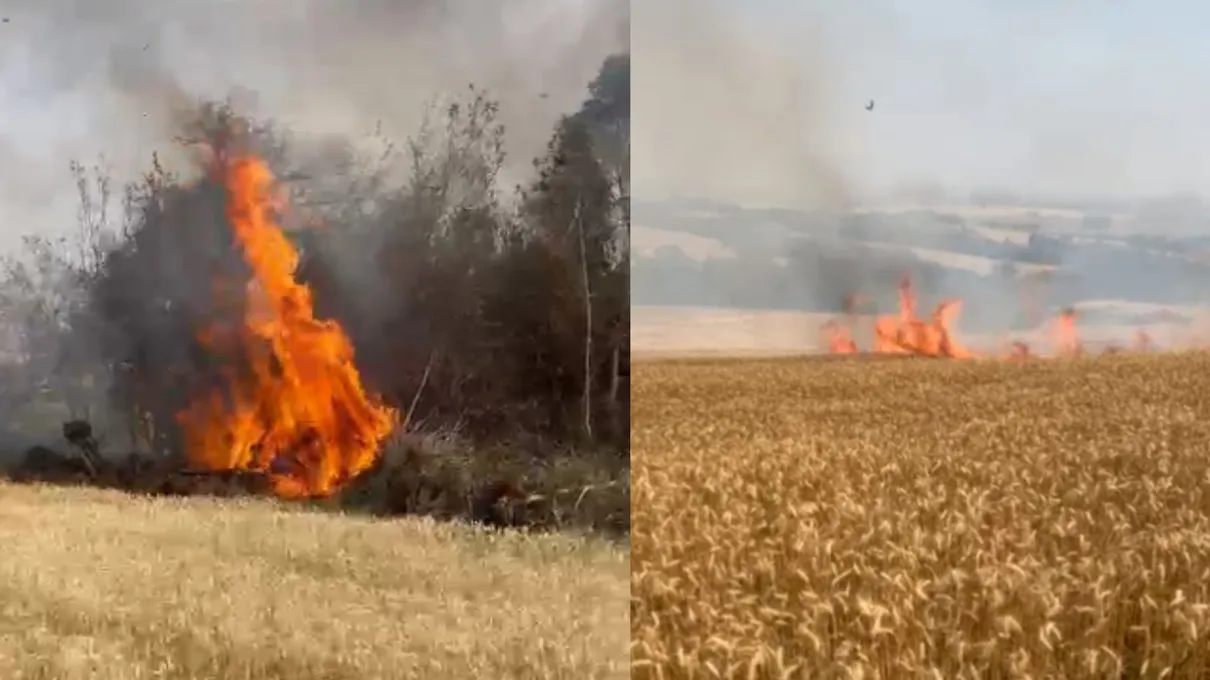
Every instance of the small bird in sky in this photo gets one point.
(870, 106)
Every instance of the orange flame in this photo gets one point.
(839, 338)
(1067, 335)
(299, 412)
(905, 333)
(1143, 341)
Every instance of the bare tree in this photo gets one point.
(586, 289)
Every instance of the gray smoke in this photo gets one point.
(114, 78)
(724, 111)
(120, 79)
(762, 104)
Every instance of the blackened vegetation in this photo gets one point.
(498, 317)
(499, 485)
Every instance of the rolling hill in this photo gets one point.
(760, 279)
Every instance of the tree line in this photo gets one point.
(494, 311)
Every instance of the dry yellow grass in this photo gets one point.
(902, 519)
(100, 585)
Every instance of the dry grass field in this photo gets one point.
(101, 585)
(883, 518)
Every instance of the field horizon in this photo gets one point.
(671, 332)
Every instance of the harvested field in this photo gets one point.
(921, 518)
(99, 584)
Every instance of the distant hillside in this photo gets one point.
(1002, 259)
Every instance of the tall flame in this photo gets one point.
(905, 333)
(298, 410)
(1067, 334)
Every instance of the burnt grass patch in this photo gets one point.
(530, 486)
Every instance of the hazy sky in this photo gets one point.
(79, 78)
(1103, 97)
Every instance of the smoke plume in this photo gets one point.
(727, 113)
(114, 78)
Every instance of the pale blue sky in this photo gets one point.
(1065, 95)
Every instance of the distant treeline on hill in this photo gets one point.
(803, 261)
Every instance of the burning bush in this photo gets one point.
(292, 402)
(233, 332)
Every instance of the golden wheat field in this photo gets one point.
(883, 518)
(101, 585)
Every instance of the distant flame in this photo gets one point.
(297, 410)
(907, 334)
(839, 338)
(904, 333)
(1143, 341)
(1067, 335)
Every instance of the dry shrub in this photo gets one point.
(922, 519)
(43, 464)
(446, 477)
